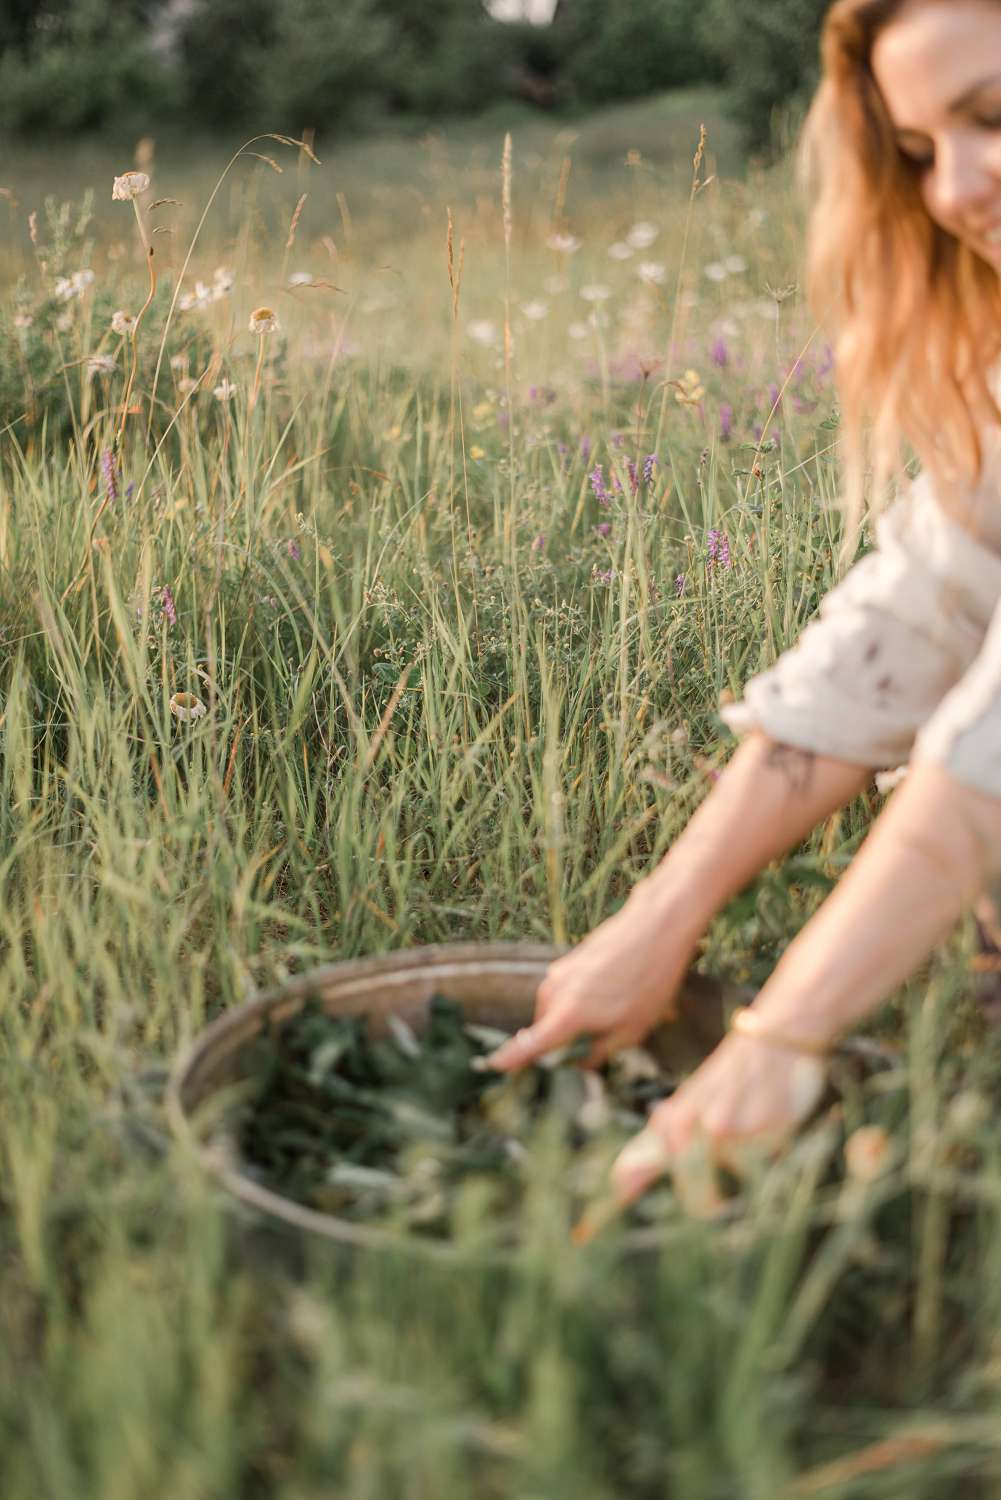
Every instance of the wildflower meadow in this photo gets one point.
(381, 528)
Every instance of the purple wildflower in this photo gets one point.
(719, 549)
(617, 439)
(725, 421)
(649, 464)
(774, 397)
(679, 584)
(169, 608)
(109, 468)
(294, 550)
(606, 576)
(634, 474)
(598, 486)
(827, 363)
(130, 489)
(540, 542)
(604, 528)
(720, 354)
(585, 448)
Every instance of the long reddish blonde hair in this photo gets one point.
(913, 315)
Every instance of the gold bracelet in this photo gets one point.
(749, 1023)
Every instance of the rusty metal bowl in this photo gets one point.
(494, 982)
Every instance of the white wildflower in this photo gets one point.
(68, 287)
(735, 265)
(186, 385)
(642, 235)
(122, 322)
(225, 391)
(534, 311)
(579, 330)
(301, 278)
(178, 363)
(223, 281)
(651, 270)
(264, 320)
(564, 244)
(716, 271)
(595, 292)
(620, 250)
(482, 331)
(100, 364)
(129, 186)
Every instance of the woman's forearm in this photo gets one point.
(934, 847)
(768, 798)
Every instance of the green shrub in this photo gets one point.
(769, 56)
(622, 51)
(91, 66)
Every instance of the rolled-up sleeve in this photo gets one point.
(908, 644)
(964, 733)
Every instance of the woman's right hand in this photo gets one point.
(616, 985)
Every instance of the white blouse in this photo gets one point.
(903, 660)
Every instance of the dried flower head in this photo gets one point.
(225, 390)
(100, 364)
(263, 320)
(868, 1153)
(129, 186)
(187, 706)
(122, 322)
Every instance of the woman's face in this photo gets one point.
(938, 68)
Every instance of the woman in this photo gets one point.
(902, 149)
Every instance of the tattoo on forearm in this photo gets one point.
(796, 765)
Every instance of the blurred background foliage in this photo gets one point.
(72, 66)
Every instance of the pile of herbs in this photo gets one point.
(393, 1129)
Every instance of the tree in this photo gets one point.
(769, 56)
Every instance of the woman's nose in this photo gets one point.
(963, 182)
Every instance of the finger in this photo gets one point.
(552, 1030)
(607, 1046)
(696, 1178)
(639, 1164)
(692, 1151)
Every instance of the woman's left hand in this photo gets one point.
(743, 1102)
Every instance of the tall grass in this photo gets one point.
(448, 695)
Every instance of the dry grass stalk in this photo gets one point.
(886, 1454)
(295, 222)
